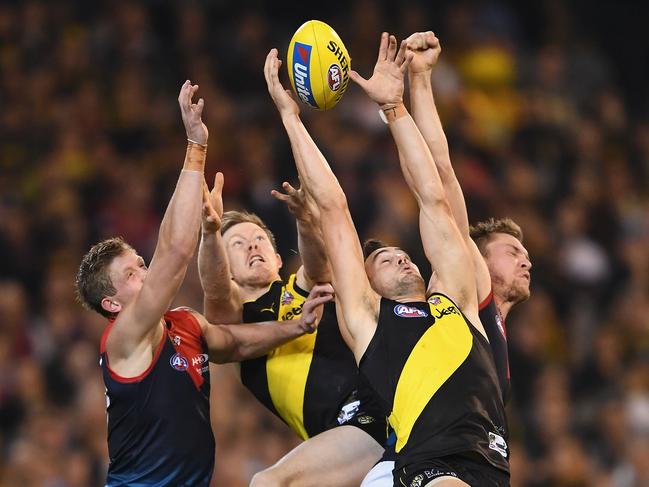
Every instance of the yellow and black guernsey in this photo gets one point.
(435, 375)
(311, 382)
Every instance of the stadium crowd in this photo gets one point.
(545, 125)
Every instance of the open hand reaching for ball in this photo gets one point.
(284, 101)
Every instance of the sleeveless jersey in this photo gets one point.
(159, 430)
(435, 374)
(310, 381)
(494, 326)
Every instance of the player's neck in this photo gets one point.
(503, 305)
(252, 292)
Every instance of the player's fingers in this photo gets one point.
(383, 47)
(267, 64)
(218, 182)
(392, 48)
(401, 55)
(181, 95)
(199, 106)
(279, 195)
(289, 188)
(409, 57)
(358, 79)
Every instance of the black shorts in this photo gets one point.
(361, 410)
(474, 472)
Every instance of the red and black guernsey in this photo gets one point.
(312, 382)
(159, 431)
(494, 326)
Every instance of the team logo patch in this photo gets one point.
(177, 340)
(287, 297)
(334, 77)
(365, 419)
(435, 300)
(409, 312)
(178, 362)
(501, 326)
(302, 73)
(416, 482)
(498, 443)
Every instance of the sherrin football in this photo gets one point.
(318, 65)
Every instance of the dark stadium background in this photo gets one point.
(546, 107)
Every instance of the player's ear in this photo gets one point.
(110, 305)
(279, 261)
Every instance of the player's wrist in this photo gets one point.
(392, 111)
(195, 156)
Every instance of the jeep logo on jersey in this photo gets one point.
(199, 359)
(334, 77)
(302, 73)
(179, 362)
(409, 312)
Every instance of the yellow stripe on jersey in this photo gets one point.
(287, 366)
(437, 355)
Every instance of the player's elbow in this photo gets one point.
(431, 194)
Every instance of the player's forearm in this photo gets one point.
(314, 170)
(180, 224)
(312, 251)
(251, 340)
(220, 301)
(424, 112)
(416, 160)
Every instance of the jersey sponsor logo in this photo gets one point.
(334, 77)
(498, 443)
(451, 310)
(287, 297)
(178, 362)
(292, 313)
(199, 359)
(302, 73)
(409, 312)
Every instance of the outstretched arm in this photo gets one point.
(233, 343)
(443, 244)
(176, 239)
(315, 265)
(221, 301)
(426, 48)
(354, 295)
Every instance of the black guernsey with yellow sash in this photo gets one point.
(311, 382)
(436, 377)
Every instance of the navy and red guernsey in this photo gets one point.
(159, 431)
(494, 326)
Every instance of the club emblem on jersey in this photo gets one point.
(498, 443)
(365, 419)
(501, 326)
(416, 482)
(177, 340)
(287, 297)
(435, 300)
(178, 362)
(409, 312)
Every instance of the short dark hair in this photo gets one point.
(93, 281)
(232, 218)
(481, 232)
(372, 244)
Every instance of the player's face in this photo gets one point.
(392, 274)
(253, 260)
(127, 272)
(509, 265)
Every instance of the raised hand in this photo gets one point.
(312, 308)
(299, 204)
(385, 87)
(284, 101)
(213, 205)
(426, 49)
(191, 114)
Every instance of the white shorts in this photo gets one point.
(380, 475)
